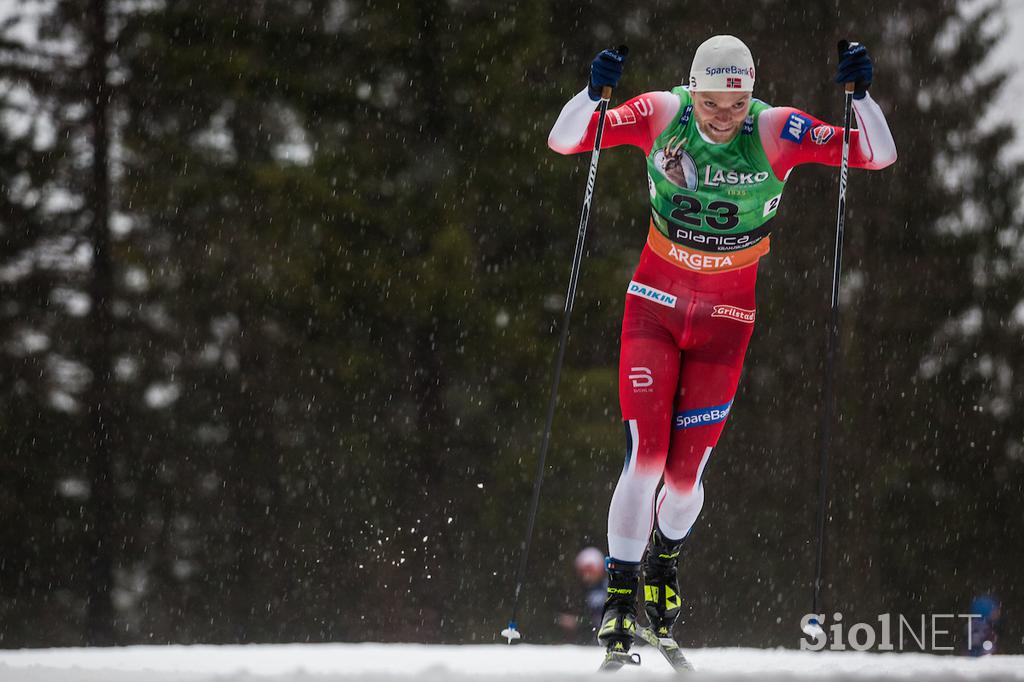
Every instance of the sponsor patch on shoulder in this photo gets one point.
(621, 116)
(822, 134)
(651, 294)
(796, 128)
(687, 112)
(643, 107)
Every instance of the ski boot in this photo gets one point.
(618, 623)
(661, 599)
(661, 589)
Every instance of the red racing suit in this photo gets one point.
(685, 331)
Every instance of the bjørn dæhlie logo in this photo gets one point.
(641, 377)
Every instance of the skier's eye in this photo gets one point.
(709, 104)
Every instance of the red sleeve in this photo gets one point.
(630, 123)
(791, 137)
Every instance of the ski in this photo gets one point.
(613, 660)
(668, 647)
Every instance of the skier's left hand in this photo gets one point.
(854, 67)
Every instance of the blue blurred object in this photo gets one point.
(983, 629)
(854, 67)
(984, 606)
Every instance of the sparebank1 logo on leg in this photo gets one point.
(702, 416)
(641, 378)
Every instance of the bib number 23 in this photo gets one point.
(724, 215)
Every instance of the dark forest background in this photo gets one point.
(280, 284)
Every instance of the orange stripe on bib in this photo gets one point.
(703, 261)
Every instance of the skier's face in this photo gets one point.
(591, 574)
(720, 114)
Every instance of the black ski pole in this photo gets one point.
(830, 350)
(511, 632)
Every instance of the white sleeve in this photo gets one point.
(875, 138)
(571, 124)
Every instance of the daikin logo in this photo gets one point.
(651, 294)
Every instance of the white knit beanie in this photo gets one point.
(722, 64)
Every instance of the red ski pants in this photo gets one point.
(684, 335)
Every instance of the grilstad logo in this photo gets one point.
(733, 313)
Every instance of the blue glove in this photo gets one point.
(606, 69)
(854, 67)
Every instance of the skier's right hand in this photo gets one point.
(606, 69)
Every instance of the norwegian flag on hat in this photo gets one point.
(734, 83)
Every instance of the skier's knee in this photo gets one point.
(678, 509)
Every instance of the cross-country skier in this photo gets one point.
(717, 163)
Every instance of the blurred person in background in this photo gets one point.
(984, 628)
(581, 627)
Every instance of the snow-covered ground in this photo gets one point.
(396, 662)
